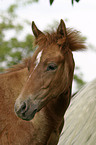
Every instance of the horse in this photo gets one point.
(35, 94)
(80, 127)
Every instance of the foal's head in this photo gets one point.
(50, 69)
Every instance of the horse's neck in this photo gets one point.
(57, 107)
(11, 84)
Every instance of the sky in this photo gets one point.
(80, 16)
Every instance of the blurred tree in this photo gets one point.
(78, 78)
(12, 50)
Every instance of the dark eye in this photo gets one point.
(51, 67)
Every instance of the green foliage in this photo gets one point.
(75, 0)
(79, 81)
(12, 8)
(51, 1)
(78, 78)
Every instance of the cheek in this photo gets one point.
(61, 80)
(47, 79)
(33, 84)
(56, 81)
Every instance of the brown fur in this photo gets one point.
(52, 89)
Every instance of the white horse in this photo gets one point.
(80, 118)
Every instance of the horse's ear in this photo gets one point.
(62, 28)
(35, 30)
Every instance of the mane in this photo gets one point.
(22, 65)
(74, 38)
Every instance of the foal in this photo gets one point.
(42, 85)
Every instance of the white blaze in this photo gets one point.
(38, 58)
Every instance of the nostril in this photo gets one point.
(23, 107)
(26, 110)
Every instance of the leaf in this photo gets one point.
(72, 2)
(12, 8)
(77, 1)
(51, 1)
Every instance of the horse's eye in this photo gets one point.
(51, 67)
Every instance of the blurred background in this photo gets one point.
(16, 38)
